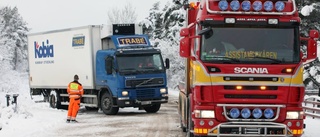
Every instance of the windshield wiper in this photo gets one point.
(128, 69)
(223, 57)
(275, 60)
(149, 68)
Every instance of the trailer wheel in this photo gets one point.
(107, 105)
(54, 99)
(153, 108)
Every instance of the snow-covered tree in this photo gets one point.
(152, 23)
(310, 16)
(5, 58)
(125, 15)
(163, 27)
(173, 19)
(165, 23)
(13, 48)
(13, 39)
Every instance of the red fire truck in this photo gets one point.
(244, 68)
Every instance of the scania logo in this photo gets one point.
(250, 70)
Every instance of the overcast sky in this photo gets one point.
(45, 15)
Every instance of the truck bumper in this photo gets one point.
(142, 102)
(236, 129)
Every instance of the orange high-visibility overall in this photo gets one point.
(75, 92)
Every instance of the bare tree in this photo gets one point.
(125, 15)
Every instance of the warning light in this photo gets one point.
(257, 5)
(263, 87)
(239, 87)
(235, 5)
(268, 5)
(223, 5)
(287, 70)
(193, 5)
(246, 5)
(279, 6)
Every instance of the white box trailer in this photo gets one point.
(56, 56)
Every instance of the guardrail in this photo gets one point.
(312, 106)
(313, 92)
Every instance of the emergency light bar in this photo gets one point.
(257, 6)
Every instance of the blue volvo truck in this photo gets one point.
(117, 66)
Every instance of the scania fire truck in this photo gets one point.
(244, 68)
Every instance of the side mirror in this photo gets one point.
(109, 65)
(184, 32)
(185, 47)
(314, 34)
(207, 32)
(167, 63)
(311, 45)
(312, 49)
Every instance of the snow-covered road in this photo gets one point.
(39, 120)
(128, 122)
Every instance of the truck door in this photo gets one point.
(111, 77)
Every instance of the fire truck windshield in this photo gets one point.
(251, 45)
(150, 63)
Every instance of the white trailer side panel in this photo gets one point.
(56, 56)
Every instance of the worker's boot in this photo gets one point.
(74, 121)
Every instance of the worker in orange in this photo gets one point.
(75, 91)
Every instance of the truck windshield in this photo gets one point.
(251, 45)
(137, 64)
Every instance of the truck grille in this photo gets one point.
(250, 96)
(251, 87)
(237, 129)
(273, 79)
(148, 82)
(146, 93)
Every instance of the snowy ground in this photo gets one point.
(31, 119)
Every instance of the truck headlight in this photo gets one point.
(204, 113)
(125, 93)
(294, 115)
(163, 90)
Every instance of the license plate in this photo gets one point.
(145, 102)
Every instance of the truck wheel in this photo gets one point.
(190, 127)
(153, 108)
(184, 129)
(190, 122)
(107, 103)
(54, 99)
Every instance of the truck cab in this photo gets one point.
(130, 72)
(244, 68)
